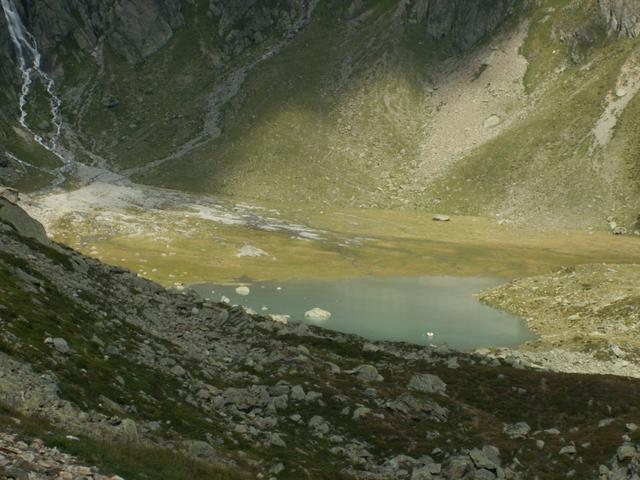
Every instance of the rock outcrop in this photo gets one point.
(21, 222)
(138, 29)
(462, 22)
(623, 16)
(134, 29)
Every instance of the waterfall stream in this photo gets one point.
(30, 64)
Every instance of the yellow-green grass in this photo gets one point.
(172, 249)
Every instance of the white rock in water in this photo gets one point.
(251, 251)
(441, 218)
(284, 319)
(317, 315)
(226, 300)
(243, 290)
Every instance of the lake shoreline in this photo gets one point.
(421, 310)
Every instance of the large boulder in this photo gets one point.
(427, 383)
(317, 315)
(367, 373)
(14, 216)
(516, 430)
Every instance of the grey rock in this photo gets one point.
(319, 425)
(61, 345)
(483, 474)
(333, 368)
(368, 373)
(277, 468)
(200, 450)
(605, 422)
(178, 371)
(297, 393)
(568, 450)
(418, 409)
(421, 473)
(370, 347)
(279, 389)
(360, 413)
(492, 121)
(516, 430)
(427, 383)
(246, 398)
(276, 440)
(312, 396)
(487, 458)
(626, 452)
(21, 222)
(452, 363)
(458, 466)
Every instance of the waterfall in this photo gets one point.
(30, 63)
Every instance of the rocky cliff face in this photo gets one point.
(134, 29)
(138, 29)
(463, 22)
(623, 16)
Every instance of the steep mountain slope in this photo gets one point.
(144, 379)
(513, 108)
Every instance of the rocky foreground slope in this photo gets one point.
(94, 358)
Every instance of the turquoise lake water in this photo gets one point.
(397, 309)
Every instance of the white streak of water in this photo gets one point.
(30, 63)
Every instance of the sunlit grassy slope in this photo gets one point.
(338, 117)
(176, 247)
(548, 167)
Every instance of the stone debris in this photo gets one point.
(34, 461)
(624, 465)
